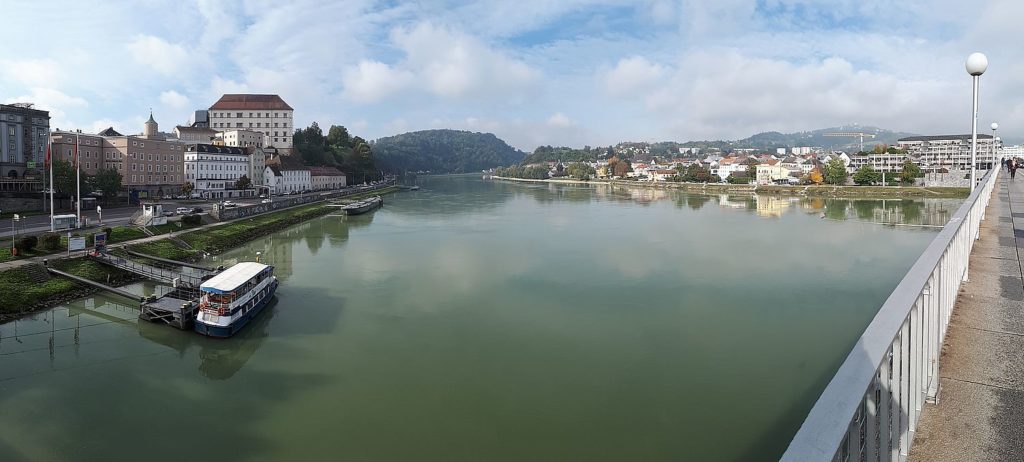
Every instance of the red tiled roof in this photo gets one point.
(261, 102)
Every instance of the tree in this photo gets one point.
(815, 176)
(243, 182)
(622, 168)
(910, 172)
(338, 136)
(697, 174)
(752, 170)
(866, 175)
(187, 188)
(580, 171)
(835, 172)
(107, 181)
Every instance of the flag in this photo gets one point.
(74, 159)
(47, 163)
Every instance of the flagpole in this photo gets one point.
(49, 160)
(78, 182)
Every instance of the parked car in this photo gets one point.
(168, 213)
(180, 197)
(182, 210)
(228, 204)
(197, 210)
(263, 196)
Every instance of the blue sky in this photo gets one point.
(534, 72)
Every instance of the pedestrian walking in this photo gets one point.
(1013, 168)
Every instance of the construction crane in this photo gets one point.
(854, 135)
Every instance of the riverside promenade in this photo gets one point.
(980, 414)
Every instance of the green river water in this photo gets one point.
(479, 320)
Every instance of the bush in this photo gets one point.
(109, 232)
(50, 241)
(27, 243)
(191, 220)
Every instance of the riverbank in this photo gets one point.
(847, 191)
(28, 288)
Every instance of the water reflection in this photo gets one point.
(931, 212)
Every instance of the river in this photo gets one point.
(483, 320)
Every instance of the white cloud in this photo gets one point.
(160, 55)
(174, 99)
(372, 81)
(559, 120)
(631, 75)
(56, 102)
(33, 72)
(442, 63)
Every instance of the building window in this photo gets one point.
(238, 114)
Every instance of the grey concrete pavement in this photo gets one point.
(980, 414)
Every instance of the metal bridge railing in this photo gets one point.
(870, 409)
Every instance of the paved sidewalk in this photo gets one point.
(980, 415)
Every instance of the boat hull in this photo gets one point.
(215, 331)
(364, 208)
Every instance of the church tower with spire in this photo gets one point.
(151, 129)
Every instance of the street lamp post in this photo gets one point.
(14, 233)
(976, 65)
(995, 142)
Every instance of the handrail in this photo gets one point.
(872, 404)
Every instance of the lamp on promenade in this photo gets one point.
(995, 141)
(976, 65)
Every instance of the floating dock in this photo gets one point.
(176, 308)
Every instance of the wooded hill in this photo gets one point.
(443, 151)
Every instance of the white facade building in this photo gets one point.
(951, 152)
(242, 138)
(327, 178)
(284, 181)
(214, 170)
(266, 114)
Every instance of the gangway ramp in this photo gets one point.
(166, 276)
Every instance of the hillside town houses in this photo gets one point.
(946, 155)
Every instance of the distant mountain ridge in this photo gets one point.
(443, 151)
(772, 140)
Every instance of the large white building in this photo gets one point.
(214, 170)
(267, 114)
(952, 152)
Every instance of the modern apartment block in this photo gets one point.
(267, 114)
(23, 133)
(952, 152)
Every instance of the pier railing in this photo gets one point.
(870, 409)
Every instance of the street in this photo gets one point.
(36, 224)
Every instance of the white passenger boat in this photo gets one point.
(230, 299)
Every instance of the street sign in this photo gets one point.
(76, 243)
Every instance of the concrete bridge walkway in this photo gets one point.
(980, 414)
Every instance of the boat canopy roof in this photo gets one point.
(231, 278)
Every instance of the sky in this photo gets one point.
(533, 72)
